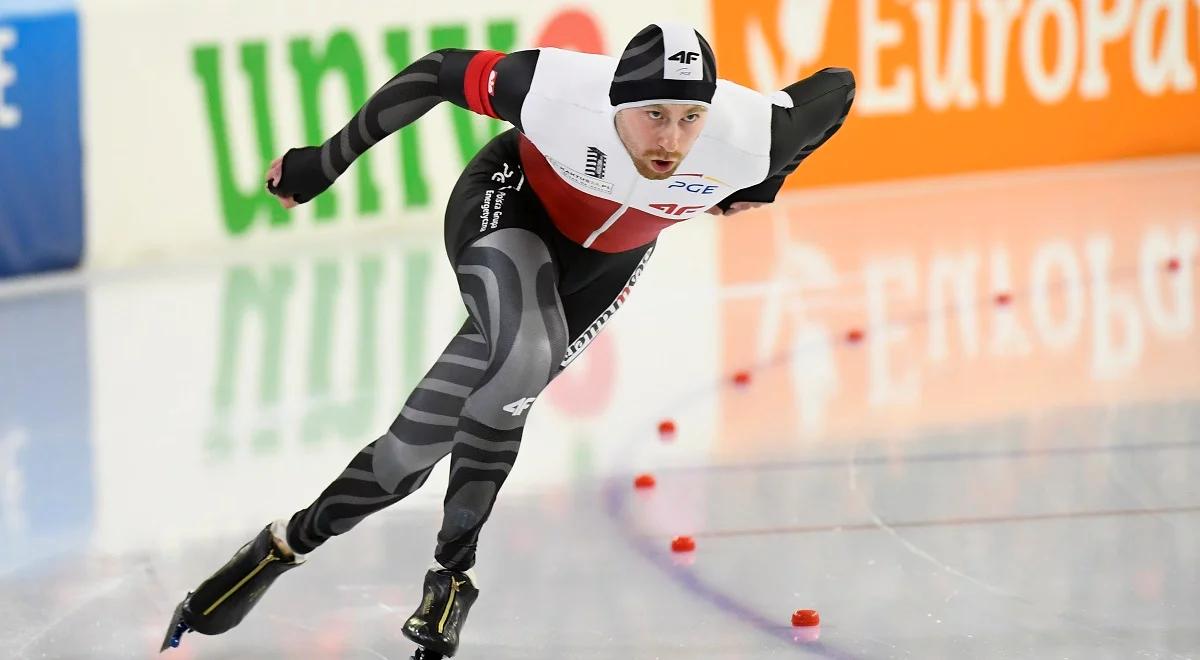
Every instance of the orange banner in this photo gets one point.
(961, 85)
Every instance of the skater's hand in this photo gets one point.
(274, 173)
(736, 207)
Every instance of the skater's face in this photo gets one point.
(658, 136)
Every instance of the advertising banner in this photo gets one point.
(950, 86)
(41, 209)
(184, 119)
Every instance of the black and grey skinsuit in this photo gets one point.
(534, 298)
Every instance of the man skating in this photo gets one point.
(547, 226)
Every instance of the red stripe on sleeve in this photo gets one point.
(475, 82)
(486, 84)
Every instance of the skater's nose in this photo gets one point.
(668, 138)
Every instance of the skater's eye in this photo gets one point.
(692, 117)
(654, 114)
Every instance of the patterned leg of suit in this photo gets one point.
(399, 461)
(474, 400)
(510, 287)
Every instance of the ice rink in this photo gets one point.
(1001, 462)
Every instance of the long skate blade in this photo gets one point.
(175, 630)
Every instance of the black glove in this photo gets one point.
(762, 192)
(301, 177)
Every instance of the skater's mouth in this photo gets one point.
(662, 165)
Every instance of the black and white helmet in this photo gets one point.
(664, 63)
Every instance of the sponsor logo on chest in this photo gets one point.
(596, 162)
(693, 187)
(585, 180)
(690, 194)
(677, 209)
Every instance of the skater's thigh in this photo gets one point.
(509, 284)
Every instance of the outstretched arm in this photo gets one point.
(805, 116)
(487, 82)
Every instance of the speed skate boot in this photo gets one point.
(224, 599)
(438, 622)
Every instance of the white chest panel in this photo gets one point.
(568, 117)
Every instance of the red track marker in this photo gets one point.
(806, 618)
(683, 544)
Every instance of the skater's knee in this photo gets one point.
(510, 388)
(394, 461)
(542, 350)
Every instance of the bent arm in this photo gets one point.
(485, 82)
(811, 111)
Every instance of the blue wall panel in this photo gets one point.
(41, 176)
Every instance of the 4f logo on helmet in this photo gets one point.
(685, 57)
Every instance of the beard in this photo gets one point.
(646, 169)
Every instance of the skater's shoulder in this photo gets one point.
(558, 66)
(576, 57)
(739, 118)
(580, 80)
(735, 99)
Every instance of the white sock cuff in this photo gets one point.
(279, 531)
